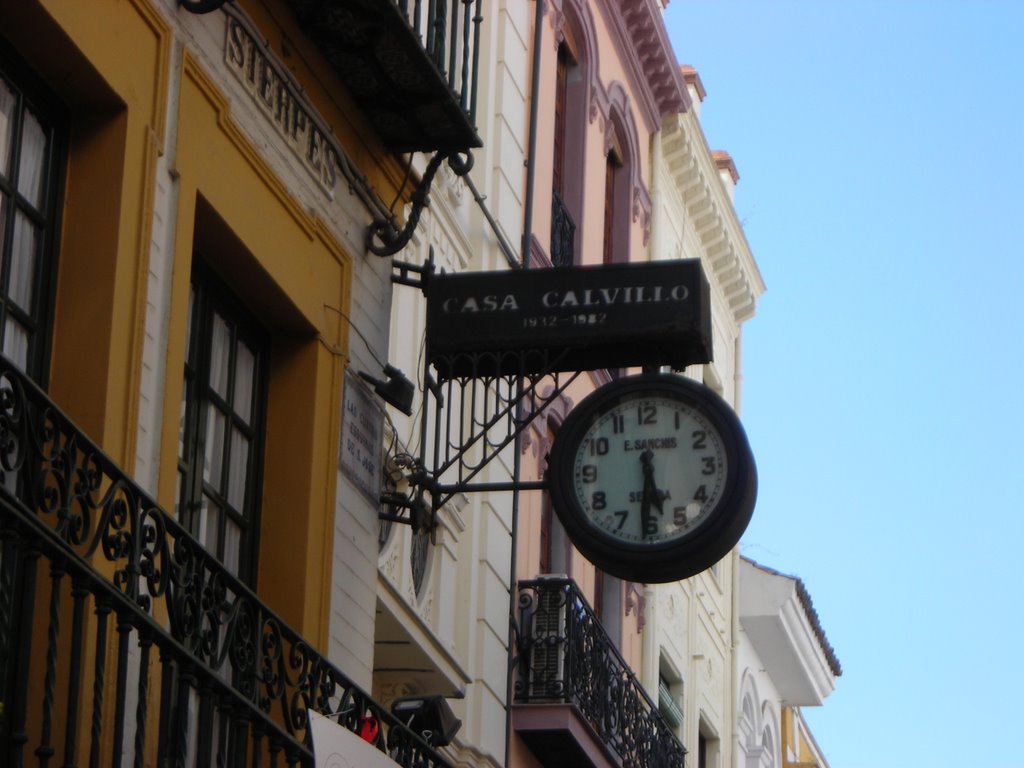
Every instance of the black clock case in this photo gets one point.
(664, 561)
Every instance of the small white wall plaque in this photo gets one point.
(362, 437)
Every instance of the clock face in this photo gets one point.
(652, 477)
(649, 469)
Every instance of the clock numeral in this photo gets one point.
(599, 447)
(651, 527)
(700, 440)
(646, 414)
(618, 423)
(709, 465)
(679, 515)
(598, 501)
(701, 494)
(622, 514)
(589, 473)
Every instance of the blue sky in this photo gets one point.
(880, 145)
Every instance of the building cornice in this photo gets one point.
(696, 176)
(777, 615)
(638, 31)
(692, 78)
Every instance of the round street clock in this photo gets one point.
(652, 477)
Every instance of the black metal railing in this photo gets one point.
(563, 233)
(450, 30)
(202, 673)
(410, 65)
(565, 656)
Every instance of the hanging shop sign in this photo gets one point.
(569, 319)
(652, 477)
(280, 99)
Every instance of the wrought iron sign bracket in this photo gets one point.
(502, 346)
(458, 445)
(202, 6)
(467, 420)
(418, 518)
(412, 275)
(384, 238)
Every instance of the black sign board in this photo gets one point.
(569, 319)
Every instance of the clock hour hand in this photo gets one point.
(650, 493)
(649, 496)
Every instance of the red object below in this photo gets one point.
(369, 727)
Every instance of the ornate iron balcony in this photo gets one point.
(232, 683)
(410, 65)
(563, 233)
(566, 657)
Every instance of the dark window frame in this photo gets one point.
(32, 94)
(209, 296)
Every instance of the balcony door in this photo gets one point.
(220, 448)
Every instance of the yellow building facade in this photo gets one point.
(187, 190)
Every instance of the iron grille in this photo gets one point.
(232, 682)
(565, 656)
(563, 233)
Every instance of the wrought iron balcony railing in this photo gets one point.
(410, 65)
(88, 560)
(565, 656)
(563, 233)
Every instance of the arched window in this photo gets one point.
(575, 73)
(616, 203)
(749, 715)
(622, 176)
(768, 749)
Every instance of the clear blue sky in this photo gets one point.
(880, 145)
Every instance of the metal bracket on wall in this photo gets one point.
(467, 421)
(384, 238)
(202, 6)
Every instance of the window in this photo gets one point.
(32, 135)
(554, 543)
(566, 61)
(669, 696)
(709, 747)
(220, 446)
(612, 181)
(563, 225)
(546, 514)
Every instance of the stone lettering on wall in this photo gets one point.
(280, 99)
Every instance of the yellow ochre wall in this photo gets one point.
(112, 62)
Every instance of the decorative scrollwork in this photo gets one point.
(95, 514)
(202, 6)
(566, 656)
(383, 238)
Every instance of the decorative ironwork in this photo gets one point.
(419, 552)
(202, 6)
(256, 678)
(466, 421)
(563, 233)
(565, 656)
(484, 414)
(383, 238)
